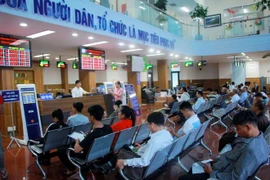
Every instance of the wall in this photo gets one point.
(224, 71)
(191, 73)
(52, 75)
(252, 69)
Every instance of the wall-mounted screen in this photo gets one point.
(15, 51)
(61, 64)
(75, 65)
(44, 63)
(91, 59)
(201, 63)
(138, 64)
(189, 64)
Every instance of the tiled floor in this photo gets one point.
(18, 159)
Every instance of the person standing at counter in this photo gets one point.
(118, 92)
(78, 91)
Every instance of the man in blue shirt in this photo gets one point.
(77, 118)
(199, 101)
(249, 152)
(244, 95)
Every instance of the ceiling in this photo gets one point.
(63, 43)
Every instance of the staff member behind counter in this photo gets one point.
(78, 91)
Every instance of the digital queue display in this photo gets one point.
(15, 52)
(44, 63)
(61, 64)
(75, 65)
(91, 59)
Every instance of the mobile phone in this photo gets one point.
(201, 164)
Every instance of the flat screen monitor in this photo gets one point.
(201, 63)
(75, 65)
(44, 63)
(61, 64)
(91, 59)
(138, 64)
(15, 51)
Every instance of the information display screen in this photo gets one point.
(75, 65)
(28, 98)
(44, 63)
(14, 52)
(91, 59)
(61, 64)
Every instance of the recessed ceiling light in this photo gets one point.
(131, 46)
(247, 57)
(96, 43)
(47, 57)
(42, 55)
(176, 55)
(90, 37)
(243, 54)
(158, 54)
(245, 11)
(23, 25)
(121, 44)
(250, 59)
(74, 34)
(40, 34)
(161, 24)
(70, 59)
(186, 57)
(56, 58)
(143, 8)
(185, 9)
(171, 54)
(131, 50)
(151, 50)
(107, 60)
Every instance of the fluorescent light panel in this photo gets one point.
(96, 43)
(149, 55)
(184, 9)
(70, 59)
(143, 8)
(41, 55)
(40, 34)
(131, 50)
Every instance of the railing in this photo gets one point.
(151, 15)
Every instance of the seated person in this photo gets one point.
(244, 95)
(259, 109)
(127, 119)
(235, 96)
(265, 98)
(58, 122)
(248, 152)
(133, 163)
(261, 96)
(184, 95)
(192, 122)
(116, 107)
(199, 101)
(174, 99)
(212, 95)
(77, 118)
(96, 113)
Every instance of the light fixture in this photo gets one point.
(40, 34)
(247, 57)
(107, 60)
(57, 58)
(161, 24)
(250, 59)
(245, 10)
(42, 55)
(121, 44)
(243, 54)
(90, 37)
(123, 63)
(143, 8)
(131, 46)
(232, 57)
(186, 57)
(70, 59)
(47, 57)
(160, 54)
(185, 9)
(96, 43)
(151, 50)
(171, 54)
(74, 34)
(131, 50)
(23, 25)
(176, 55)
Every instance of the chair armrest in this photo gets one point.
(33, 141)
(122, 174)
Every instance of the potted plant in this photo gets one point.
(199, 12)
(162, 5)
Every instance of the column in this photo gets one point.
(163, 80)
(134, 78)
(88, 79)
(38, 77)
(64, 78)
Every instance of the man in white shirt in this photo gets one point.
(78, 91)
(235, 96)
(192, 122)
(185, 96)
(199, 101)
(134, 163)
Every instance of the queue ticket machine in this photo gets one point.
(32, 128)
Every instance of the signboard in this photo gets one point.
(61, 64)
(133, 99)
(91, 59)
(201, 63)
(14, 52)
(189, 64)
(175, 67)
(32, 128)
(8, 96)
(44, 63)
(149, 66)
(46, 97)
(114, 67)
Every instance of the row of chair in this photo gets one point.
(177, 150)
(101, 146)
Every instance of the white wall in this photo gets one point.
(73, 74)
(264, 68)
(252, 69)
(211, 71)
(225, 71)
(52, 75)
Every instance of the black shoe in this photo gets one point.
(104, 168)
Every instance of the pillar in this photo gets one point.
(134, 78)
(163, 80)
(88, 79)
(64, 78)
